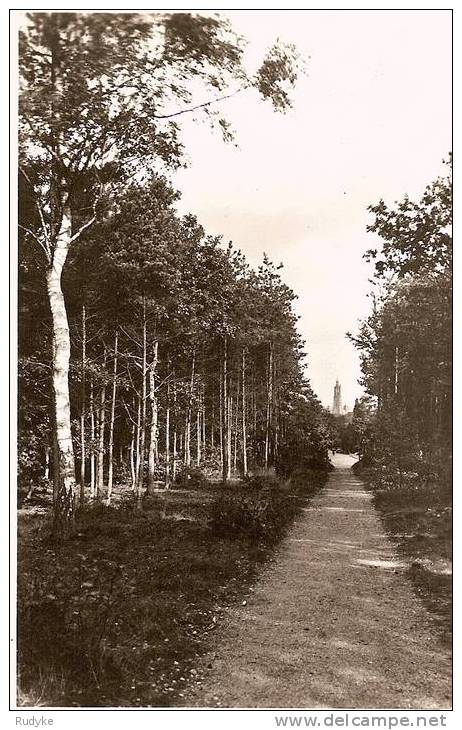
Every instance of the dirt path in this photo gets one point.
(333, 623)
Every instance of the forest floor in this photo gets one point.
(121, 612)
(332, 623)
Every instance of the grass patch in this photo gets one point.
(417, 514)
(119, 614)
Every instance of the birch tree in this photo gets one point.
(101, 95)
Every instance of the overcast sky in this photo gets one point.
(371, 120)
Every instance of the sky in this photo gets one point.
(370, 120)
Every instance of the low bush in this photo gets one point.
(191, 477)
(263, 479)
(260, 510)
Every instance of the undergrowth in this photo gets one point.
(416, 510)
(119, 614)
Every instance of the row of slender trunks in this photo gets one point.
(177, 444)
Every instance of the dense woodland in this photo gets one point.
(181, 356)
(147, 348)
(406, 342)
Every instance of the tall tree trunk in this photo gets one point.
(137, 444)
(236, 423)
(64, 508)
(132, 457)
(221, 420)
(269, 404)
(198, 435)
(174, 465)
(244, 424)
(203, 419)
(152, 456)
(187, 444)
(143, 414)
(229, 434)
(56, 480)
(254, 406)
(255, 412)
(54, 452)
(167, 438)
(212, 430)
(225, 440)
(111, 424)
(61, 234)
(276, 433)
(275, 413)
(92, 439)
(82, 407)
(101, 430)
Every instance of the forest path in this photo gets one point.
(333, 622)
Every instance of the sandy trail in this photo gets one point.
(333, 622)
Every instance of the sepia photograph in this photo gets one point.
(233, 481)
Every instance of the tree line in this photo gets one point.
(405, 343)
(147, 347)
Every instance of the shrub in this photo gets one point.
(210, 463)
(191, 478)
(262, 480)
(261, 513)
(306, 482)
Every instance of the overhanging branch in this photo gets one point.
(200, 106)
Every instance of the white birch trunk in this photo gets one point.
(64, 509)
(244, 424)
(143, 415)
(101, 430)
(198, 436)
(229, 435)
(132, 458)
(174, 465)
(269, 405)
(225, 440)
(92, 438)
(153, 448)
(110, 473)
(167, 440)
(137, 444)
(187, 443)
(82, 408)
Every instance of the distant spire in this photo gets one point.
(337, 404)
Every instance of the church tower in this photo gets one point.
(337, 404)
